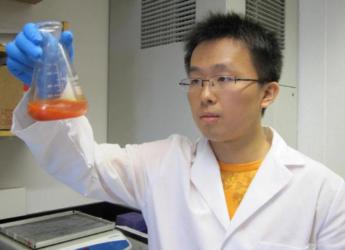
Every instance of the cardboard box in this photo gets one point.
(11, 91)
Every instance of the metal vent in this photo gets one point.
(269, 13)
(165, 21)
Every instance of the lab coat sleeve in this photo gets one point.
(332, 233)
(66, 150)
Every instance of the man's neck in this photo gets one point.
(245, 149)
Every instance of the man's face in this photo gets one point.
(235, 111)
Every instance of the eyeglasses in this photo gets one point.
(216, 82)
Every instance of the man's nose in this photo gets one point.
(210, 82)
(207, 94)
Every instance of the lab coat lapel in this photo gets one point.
(205, 175)
(271, 178)
(269, 181)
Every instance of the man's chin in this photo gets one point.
(214, 137)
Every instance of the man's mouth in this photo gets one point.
(209, 117)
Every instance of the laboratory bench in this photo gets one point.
(103, 210)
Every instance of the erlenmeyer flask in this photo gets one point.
(55, 90)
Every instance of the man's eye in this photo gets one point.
(225, 79)
(195, 82)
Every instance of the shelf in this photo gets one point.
(4, 133)
(29, 1)
(8, 31)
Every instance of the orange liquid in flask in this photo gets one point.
(47, 110)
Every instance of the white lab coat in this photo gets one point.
(293, 203)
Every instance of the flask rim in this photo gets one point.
(49, 26)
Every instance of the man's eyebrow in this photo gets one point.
(222, 67)
(215, 67)
(194, 69)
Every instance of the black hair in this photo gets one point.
(262, 44)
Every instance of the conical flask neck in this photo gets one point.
(52, 28)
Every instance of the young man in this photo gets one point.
(238, 187)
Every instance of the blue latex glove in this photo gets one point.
(24, 51)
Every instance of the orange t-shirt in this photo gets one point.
(236, 179)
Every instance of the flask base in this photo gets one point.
(56, 109)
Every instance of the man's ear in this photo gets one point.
(270, 92)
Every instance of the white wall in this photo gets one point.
(322, 82)
(89, 22)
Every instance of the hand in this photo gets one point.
(25, 50)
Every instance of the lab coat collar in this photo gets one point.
(271, 179)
